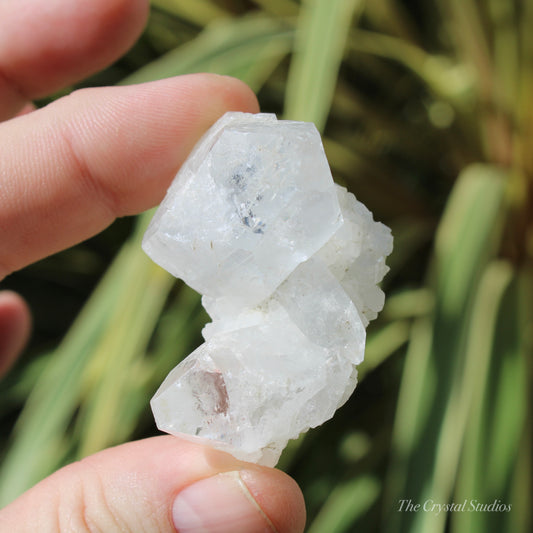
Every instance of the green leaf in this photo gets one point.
(383, 343)
(108, 410)
(279, 8)
(200, 12)
(248, 48)
(346, 504)
(426, 440)
(322, 31)
(500, 400)
(37, 445)
(447, 78)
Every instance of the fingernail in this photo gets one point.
(219, 504)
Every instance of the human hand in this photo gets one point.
(66, 172)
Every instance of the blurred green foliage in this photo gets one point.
(427, 116)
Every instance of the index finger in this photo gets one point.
(69, 169)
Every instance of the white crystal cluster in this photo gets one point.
(287, 263)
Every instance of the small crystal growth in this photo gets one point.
(287, 263)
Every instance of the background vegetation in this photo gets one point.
(427, 113)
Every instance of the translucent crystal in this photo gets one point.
(252, 389)
(238, 220)
(287, 263)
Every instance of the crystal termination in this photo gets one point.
(287, 263)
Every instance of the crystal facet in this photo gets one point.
(287, 263)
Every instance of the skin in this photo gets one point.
(66, 172)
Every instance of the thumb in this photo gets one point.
(159, 484)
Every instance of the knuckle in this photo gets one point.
(95, 506)
(84, 505)
(90, 183)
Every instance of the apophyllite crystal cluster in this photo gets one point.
(287, 263)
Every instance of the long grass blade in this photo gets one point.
(346, 504)
(496, 428)
(248, 48)
(463, 249)
(108, 411)
(320, 42)
(38, 446)
(382, 344)
(279, 8)
(200, 12)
